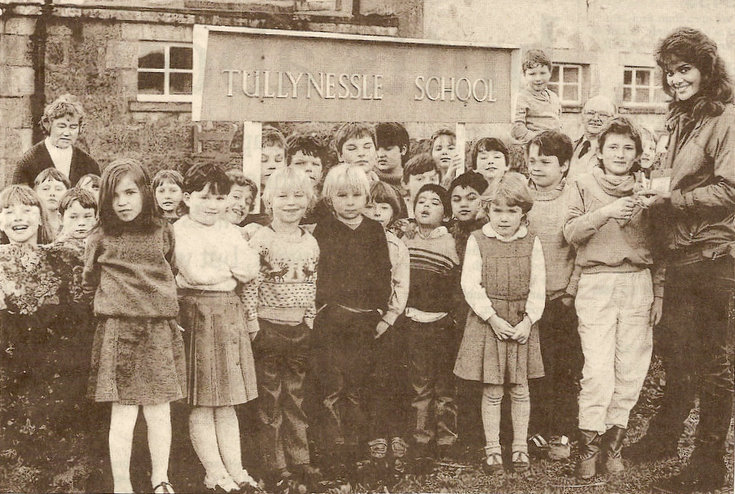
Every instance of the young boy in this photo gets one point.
(240, 199)
(420, 170)
(429, 328)
(285, 294)
(78, 211)
(537, 107)
(385, 208)
(554, 396)
(465, 194)
(356, 145)
(490, 159)
(307, 153)
(392, 139)
(352, 297)
(273, 152)
(50, 185)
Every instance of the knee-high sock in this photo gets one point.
(492, 396)
(520, 410)
(228, 439)
(203, 436)
(158, 420)
(122, 423)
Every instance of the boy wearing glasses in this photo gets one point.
(596, 113)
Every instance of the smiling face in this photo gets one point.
(289, 206)
(168, 196)
(20, 223)
(537, 77)
(78, 221)
(204, 206)
(348, 204)
(684, 79)
(545, 171)
(444, 151)
(504, 219)
(271, 159)
(127, 199)
(491, 165)
(311, 165)
(618, 154)
(360, 151)
(50, 192)
(429, 210)
(64, 131)
(596, 113)
(239, 202)
(466, 203)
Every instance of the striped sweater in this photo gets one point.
(434, 271)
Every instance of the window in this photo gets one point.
(566, 81)
(164, 71)
(642, 86)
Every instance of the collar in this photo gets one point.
(490, 232)
(437, 232)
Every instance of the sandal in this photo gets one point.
(164, 488)
(520, 461)
(493, 464)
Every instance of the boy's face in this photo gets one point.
(390, 158)
(205, 207)
(537, 77)
(272, 157)
(545, 171)
(168, 196)
(415, 182)
(360, 151)
(348, 204)
(50, 192)
(618, 154)
(239, 202)
(505, 219)
(382, 212)
(491, 165)
(311, 165)
(429, 209)
(289, 206)
(64, 131)
(649, 151)
(444, 152)
(78, 221)
(89, 186)
(466, 203)
(20, 223)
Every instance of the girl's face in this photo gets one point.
(444, 152)
(618, 154)
(168, 196)
(390, 158)
(505, 220)
(50, 192)
(64, 131)
(649, 152)
(88, 185)
(685, 79)
(205, 207)
(429, 209)
(382, 212)
(239, 202)
(348, 204)
(289, 206)
(360, 151)
(465, 203)
(491, 165)
(127, 199)
(78, 221)
(20, 223)
(311, 165)
(271, 159)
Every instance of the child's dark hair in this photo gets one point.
(553, 143)
(513, 191)
(421, 163)
(353, 130)
(82, 196)
(693, 46)
(108, 220)
(622, 126)
(93, 178)
(381, 192)
(51, 174)
(439, 191)
(469, 179)
(533, 58)
(237, 177)
(272, 137)
(200, 175)
(442, 132)
(390, 134)
(488, 144)
(22, 194)
(164, 176)
(307, 144)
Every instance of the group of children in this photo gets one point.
(351, 309)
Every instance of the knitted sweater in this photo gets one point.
(37, 159)
(535, 111)
(286, 285)
(131, 273)
(400, 277)
(546, 219)
(434, 271)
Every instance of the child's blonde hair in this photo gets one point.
(346, 177)
(288, 178)
(14, 195)
(513, 191)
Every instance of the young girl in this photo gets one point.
(490, 159)
(609, 226)
(138, 352)
(167, 187)
(91, 183)
(213, 259)
(50, 185)
(23, 219)
(504, 283)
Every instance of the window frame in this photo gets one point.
(560, 84)
(340, 8)
(166, 71)
(653, 87)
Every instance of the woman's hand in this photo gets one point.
(502, 328)
(657, 310)
(522, 330)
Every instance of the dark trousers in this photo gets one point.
(281, 362)
(697, 314)
(389, 388)
(554, 397)
(431, 349)
(344, 359)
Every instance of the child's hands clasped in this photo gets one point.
(522, 330)
(621, 209)
(502, 328)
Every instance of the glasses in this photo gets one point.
(595, 114)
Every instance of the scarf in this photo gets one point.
(614, 185)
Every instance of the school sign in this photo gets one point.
(243, 74)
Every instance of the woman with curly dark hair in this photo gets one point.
(697, 218)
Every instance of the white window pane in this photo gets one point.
(642, 95)
(571, 93)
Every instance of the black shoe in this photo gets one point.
(650, 448)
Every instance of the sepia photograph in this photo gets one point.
(367, 246)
